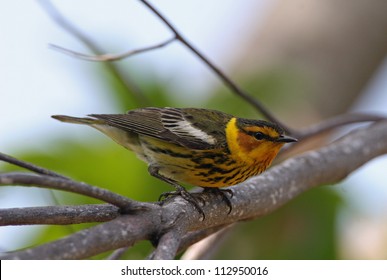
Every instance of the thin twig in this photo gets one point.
(126, 83)
(177, 36)
(207, 247)
(324, 127)
(336, 122)
(228, 82)
(30, 166)
(195, 236)
(118, 253)
(24, 179)
(58, 215)
(110, 57)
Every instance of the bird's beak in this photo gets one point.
(286, 139)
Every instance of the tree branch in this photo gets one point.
(195, 236)
(59, 19)
(110, 57)
(207, 247)
(58, 215)
(57, 183)
(117, 254)
(94, 240)
(326, 126)
(254, 198)
(335, 122)
(167, 246)
(30, 166)
(305, 134)
(226, 80)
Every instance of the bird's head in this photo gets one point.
(255, 140)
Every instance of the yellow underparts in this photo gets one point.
(245, 157)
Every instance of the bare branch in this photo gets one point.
(59, 19)
(310, 132)
(254, 198)
(123, 231)
(30, 166)
(110, 57)
(167, 246)
(227, 81)
(68, 26)
(206, 248)
(326, 126)
(117, 254)
(58, 215)
(336, 122)
(195, 236)
(24, 179)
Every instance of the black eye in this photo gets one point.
(259, 135)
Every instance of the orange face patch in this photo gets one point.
(247, 142)
(258, 150)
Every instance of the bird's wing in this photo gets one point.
(178, 126)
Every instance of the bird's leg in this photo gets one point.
(179, 190)
(222, 193)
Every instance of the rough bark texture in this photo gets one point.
(168, 225)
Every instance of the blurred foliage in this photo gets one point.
(276, 90)
(303, 229)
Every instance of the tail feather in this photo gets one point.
(68, 119)
(123, 137)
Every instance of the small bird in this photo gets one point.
(200, 147)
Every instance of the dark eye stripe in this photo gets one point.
(264, 136)
(259, 135)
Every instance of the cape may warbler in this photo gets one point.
(200, 147)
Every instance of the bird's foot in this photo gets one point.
(180, 191)
(224, 194)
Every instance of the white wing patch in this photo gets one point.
(181, 127)
(185, 128)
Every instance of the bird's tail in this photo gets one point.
(68, 119)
